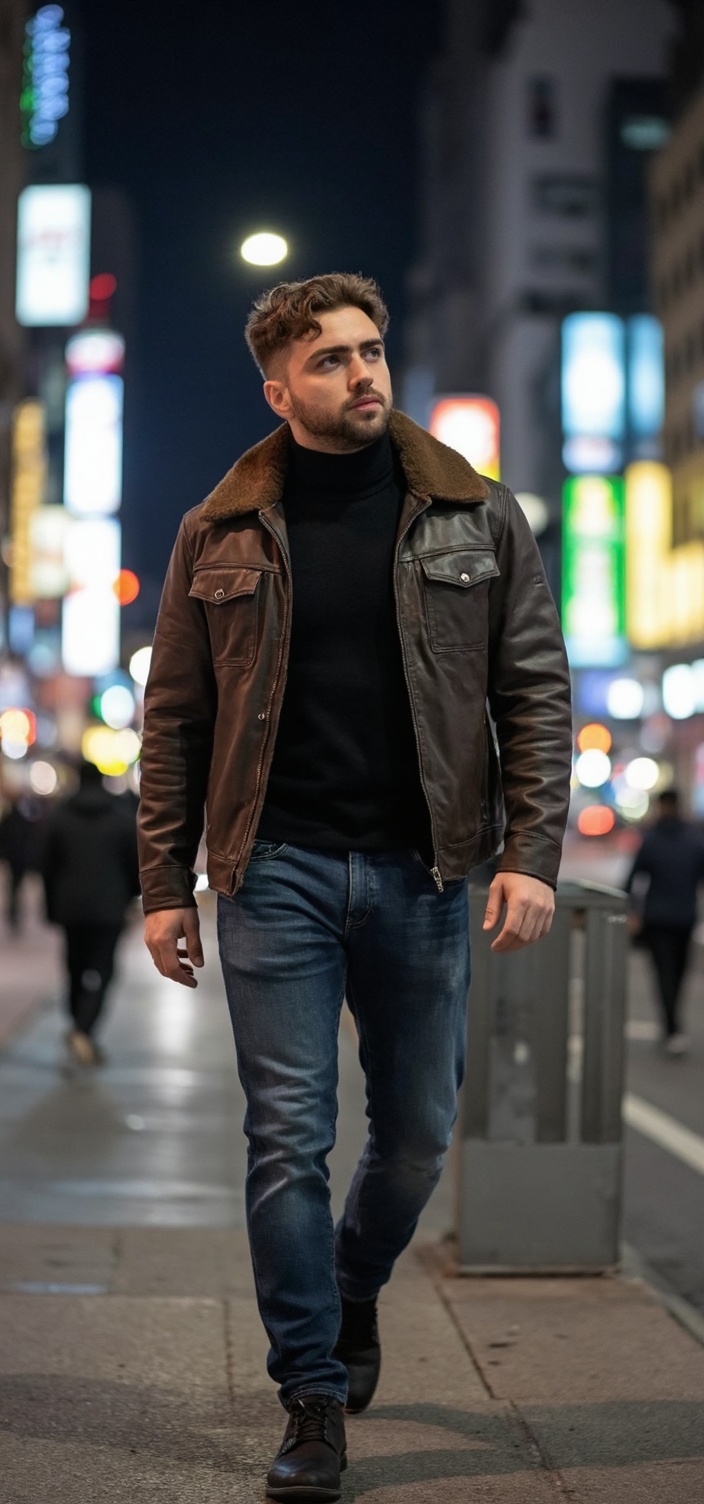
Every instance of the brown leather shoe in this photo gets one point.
(359, 1349)
(313, 1452)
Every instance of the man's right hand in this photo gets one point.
(162, 932)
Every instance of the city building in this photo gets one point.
(12, 172)
(536, 128)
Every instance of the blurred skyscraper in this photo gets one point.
(537, 128)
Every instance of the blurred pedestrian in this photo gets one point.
(18, 852)
(669, 868)
(352, 780)
(89, 868)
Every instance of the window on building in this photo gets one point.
(542, 107)
(567, 195)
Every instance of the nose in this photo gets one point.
(358, 373)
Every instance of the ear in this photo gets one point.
(277, 396)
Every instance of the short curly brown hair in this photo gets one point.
(287, 311)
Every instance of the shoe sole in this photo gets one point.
(304, 1491)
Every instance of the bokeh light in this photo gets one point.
(594, 737)
(642, 774)
(117, 706)
(593, 768)
(596, 820)
(43, 778)
(139, 665)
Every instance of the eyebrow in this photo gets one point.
(343, 349)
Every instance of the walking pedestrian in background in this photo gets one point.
(352, 781)
(669, 867)
(90, 873)
(18, 852)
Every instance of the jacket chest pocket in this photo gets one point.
(230, 595)
(456, 589)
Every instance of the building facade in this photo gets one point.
(515, 228)
(13, 16)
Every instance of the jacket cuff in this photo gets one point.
(532, 855)
(167, 887)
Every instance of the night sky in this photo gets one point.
(218, 118)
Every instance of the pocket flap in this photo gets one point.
(463, 569)
(217, 586)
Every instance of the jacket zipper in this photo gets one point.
(434, 870)
(283, 656)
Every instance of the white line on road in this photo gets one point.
(664, 1131)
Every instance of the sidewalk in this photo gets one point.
(132, 1357)
(29, 962)
(151, 1385)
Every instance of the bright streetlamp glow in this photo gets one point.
(264, 249)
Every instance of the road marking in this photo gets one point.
(664, 1131)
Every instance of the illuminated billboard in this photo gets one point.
(53, 254)
(665, 585)
(93, 448)
(90, 627)
(646, 376)
(593, 376)
(29, 471)
(593, 570)
(471, 426)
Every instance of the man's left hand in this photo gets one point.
(530, 905)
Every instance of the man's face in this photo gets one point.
(335, 387)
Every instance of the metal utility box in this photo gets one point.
(539, 1138)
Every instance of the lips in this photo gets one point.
(367, 402)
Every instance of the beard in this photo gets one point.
(349, 428)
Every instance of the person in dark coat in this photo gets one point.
(17, 850)
(671, 863)
(90, 873)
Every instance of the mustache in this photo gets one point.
(364, 397)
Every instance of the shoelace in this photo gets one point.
(310, 1421)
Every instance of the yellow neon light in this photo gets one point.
(664, 585)
(28, 484)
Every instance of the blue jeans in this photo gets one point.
(306, 929)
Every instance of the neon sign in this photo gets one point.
(44, 97)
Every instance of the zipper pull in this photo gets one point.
(435, 872)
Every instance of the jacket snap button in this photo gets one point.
(219, 595)
(464, 578)
(262, 715)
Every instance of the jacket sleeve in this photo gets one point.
(529, 699)
(179, 716)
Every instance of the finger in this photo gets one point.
(191, 929)
(171, 966)
(508, 937)
(495, 903)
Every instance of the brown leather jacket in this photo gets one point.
(477, 624)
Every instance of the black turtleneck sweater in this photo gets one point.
(345, 769)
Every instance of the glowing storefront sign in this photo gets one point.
(93, 451)
(93, 351)
(471, 426)
(48, 572)
(44, 98)
(664, 586)
(29, 469)
(593, 595)
(53, 252)
(646, 376)
(593, 376)
(90, 629)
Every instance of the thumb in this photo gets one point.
(494, 904)
(191, 930)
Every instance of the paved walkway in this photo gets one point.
(132, 1358)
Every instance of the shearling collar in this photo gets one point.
(431, 469)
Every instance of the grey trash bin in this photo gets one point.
(539, 1137)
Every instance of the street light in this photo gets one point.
(264, 249)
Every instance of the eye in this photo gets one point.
(328, 360)
(375, 352)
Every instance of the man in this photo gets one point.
(334, 617)
(90, 872)
(670, 865)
